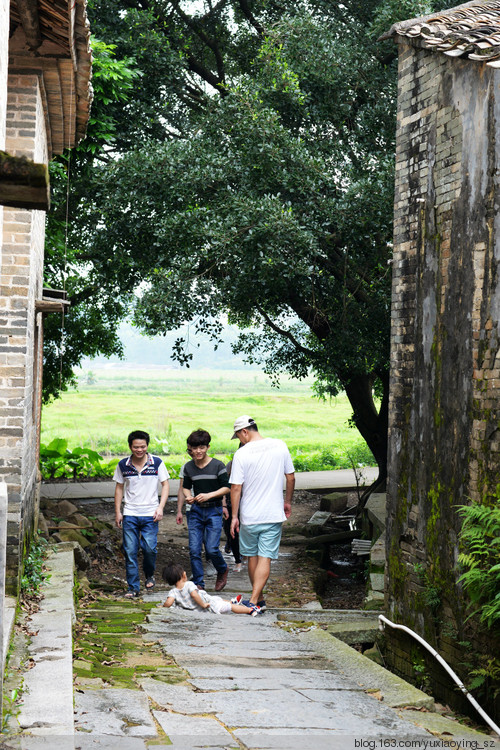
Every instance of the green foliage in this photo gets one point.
(480, 540)
(431, 594)
(241, 177)
(33, 572)
(486, 677)
(10, 708)
(57, 461)
(332, 458)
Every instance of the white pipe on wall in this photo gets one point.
(383, 621)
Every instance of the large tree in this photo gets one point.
(251, 174)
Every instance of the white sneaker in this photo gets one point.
(237, 568)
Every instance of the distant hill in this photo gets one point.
(157, 350)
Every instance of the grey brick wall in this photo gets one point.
(444, 438)
(21, 275)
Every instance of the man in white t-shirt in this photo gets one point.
(257, 495)
(137, 480)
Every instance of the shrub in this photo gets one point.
(480, 538)
(56, 460)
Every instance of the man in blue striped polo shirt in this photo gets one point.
(137, 480)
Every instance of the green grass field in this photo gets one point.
(169, 404)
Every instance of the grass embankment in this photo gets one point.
(169, 404)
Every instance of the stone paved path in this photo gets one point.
(245, 683)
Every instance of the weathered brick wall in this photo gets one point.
(4, 61)
(20, 339)
(445, 376)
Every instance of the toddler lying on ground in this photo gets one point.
(187, 595)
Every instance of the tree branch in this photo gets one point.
(286, 334)
(201, 34)
(245, 9)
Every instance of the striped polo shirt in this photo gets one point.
(140, 492)
(212, 477)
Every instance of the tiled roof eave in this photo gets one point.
(470, 31)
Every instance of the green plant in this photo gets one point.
(480, 540)
(33, 572)
(56, 460)
(431, 593)
(486, 677)
(10, 708)
(420, 672)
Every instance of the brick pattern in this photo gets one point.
(4, 61)
(21, 274)
(444, 438)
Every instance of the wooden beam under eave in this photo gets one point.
(28, 12)
(45, 305)
(23, 183)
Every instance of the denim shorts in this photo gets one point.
(261, 539)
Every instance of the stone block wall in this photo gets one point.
(21, 282)
(444, 439)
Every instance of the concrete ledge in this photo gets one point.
(47, 708)
(368, 675)
(9, 616)
(306, 480)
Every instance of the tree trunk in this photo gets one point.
(372, 424)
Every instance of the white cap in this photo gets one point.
(241, 423)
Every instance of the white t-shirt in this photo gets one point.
(259, 466)
(140, 493)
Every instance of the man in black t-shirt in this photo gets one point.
(210, 483)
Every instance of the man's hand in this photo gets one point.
(178, 518)
(235, 527)
(158, 514)
(287, 507)
(119, 519)
(225, 512)
(202, 497)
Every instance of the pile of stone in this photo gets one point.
(61, 521)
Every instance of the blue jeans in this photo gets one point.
(139, 531)
(204, 526)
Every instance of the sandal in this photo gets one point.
(150, 583)
(131, 594)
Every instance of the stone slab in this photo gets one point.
(444, 725)
(376, 508)
(356, 631)
(9, 616)
(113, 711)
(181, 729)
(51, 650)
(377, 581)
(395, 691)
(326, 616)
(251, 678)
(108, 742)
(314, 739)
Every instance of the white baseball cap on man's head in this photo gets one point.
(241, 423)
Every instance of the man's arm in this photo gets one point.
(180, 502)
(118, 504)
(204, 496)
(235, 506)
(289, 487)
(158, 514)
